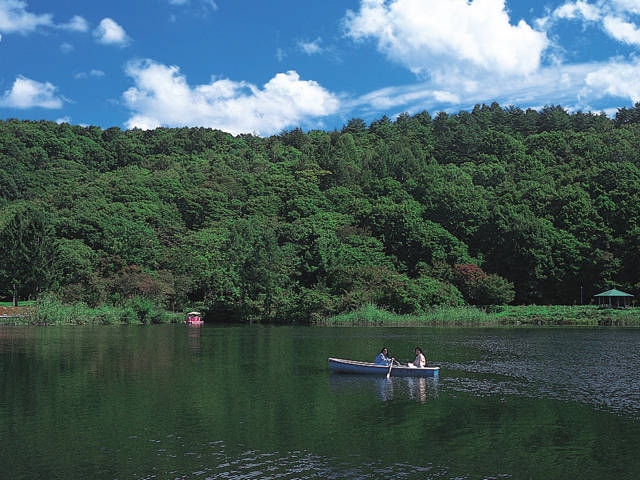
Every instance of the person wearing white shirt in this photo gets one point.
(419, 361)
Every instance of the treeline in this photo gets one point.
(493, 206)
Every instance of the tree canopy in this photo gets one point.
(491, 206)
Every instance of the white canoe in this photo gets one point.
(339, 365)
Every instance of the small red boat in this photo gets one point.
(194, 318)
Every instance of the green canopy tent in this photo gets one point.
(613, 298)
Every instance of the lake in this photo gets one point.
(241, 402)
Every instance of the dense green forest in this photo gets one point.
(492, 206)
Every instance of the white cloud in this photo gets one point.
(468, 52)
(91, 73)
(211, 4)
(440, 38)
(311, 48)
(162, 97)
(622, 30)
(615, 78)
(76, 24)
(570, 85)
(578, 10)
(27, 93)
(110, 33)
(629, 6)
(409, 98)
(66, 47)
(205, 5)
(615, 17)
(14, 18)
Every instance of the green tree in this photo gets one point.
(481, 288)
(27, 239)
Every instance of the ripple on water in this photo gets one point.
(594, 367)
(216, 461)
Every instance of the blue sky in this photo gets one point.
(261, 67)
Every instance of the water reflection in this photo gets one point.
(15, 339)
(84, 402)
(193, 332)
(418, 389)
(386, 389)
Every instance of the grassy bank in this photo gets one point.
(491, 317)
(48, 310)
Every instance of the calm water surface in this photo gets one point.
(171, 402)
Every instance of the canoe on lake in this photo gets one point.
(339, 365)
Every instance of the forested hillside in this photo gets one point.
(492, 206)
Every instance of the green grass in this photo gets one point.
(48, 310)
(370, 315)
(555, 315)
(20, 304)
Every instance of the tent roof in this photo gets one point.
(613, 293)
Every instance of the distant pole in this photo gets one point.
(580, 294)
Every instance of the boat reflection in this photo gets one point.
(194, 339)
(418, 389)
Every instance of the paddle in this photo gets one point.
(390, 367)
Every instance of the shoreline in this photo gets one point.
(366, 316)
(496, 316)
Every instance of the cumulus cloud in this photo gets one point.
(162, 97)
(26, 93)
(437, 38)
(109, 32)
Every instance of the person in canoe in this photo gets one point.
(383, 358)
(419, 361)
